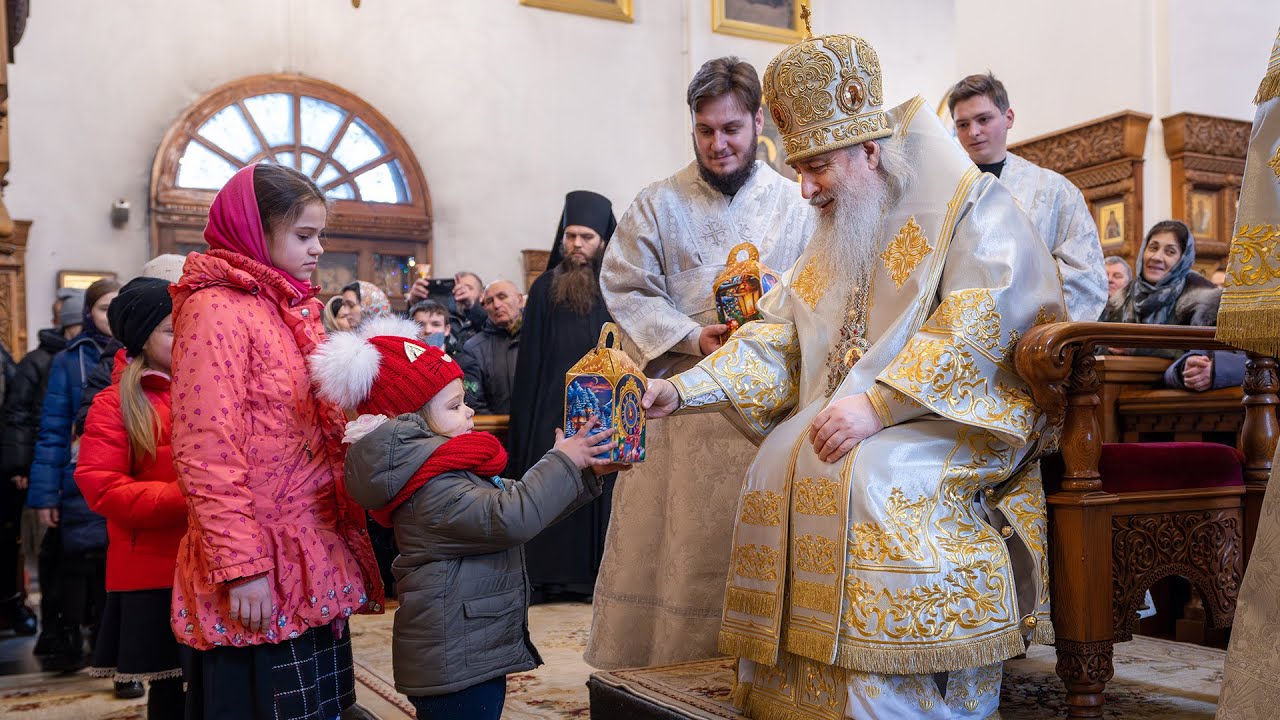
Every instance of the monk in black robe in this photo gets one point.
(563, 314)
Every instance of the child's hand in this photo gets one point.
(250, 604)
(583, 447)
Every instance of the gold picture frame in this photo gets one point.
(619, 10)
(1111, 224)
(82, 279)
(772, 20)
(1202, 214)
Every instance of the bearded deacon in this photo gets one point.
(884, 524)
(661, 586)
(562, 318)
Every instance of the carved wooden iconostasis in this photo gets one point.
(1103, 157)
(380, 219)
(1206, 157)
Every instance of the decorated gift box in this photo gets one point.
(607, 383)
(739, 288)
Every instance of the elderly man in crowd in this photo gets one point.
(489, 359)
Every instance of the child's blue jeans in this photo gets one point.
(478, 702)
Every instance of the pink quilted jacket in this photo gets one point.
(259, 458)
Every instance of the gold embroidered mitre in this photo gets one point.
(824, 93)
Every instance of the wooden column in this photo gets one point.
(1206, 162)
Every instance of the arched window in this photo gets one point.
(380, 222)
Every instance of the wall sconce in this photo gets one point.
(119, 213)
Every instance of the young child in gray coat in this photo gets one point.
(418, 466)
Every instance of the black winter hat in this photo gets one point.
(141, 305)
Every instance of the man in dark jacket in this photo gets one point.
(20, 421)
(489, 359)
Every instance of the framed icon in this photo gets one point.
(1111, 227)
(608, 9)
(776, 20)
(82, 279)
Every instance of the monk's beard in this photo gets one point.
(848, 237)
(577, 285)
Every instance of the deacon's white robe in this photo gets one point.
(922, 550)
(1059, 212)
(660, 591)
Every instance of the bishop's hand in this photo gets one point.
(841, 425)
(660, 399)
(711, 337)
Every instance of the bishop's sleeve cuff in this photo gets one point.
(892, 406)
(698, 392)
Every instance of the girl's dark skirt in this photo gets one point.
(135, 641)
(307, 678)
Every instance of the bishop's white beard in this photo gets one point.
(847, 238)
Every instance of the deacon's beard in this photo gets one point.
(727, 184)
(847, 238)
(577, 285)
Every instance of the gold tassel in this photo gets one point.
(812, 645)
(926, 660)
(755, 649)
(741, 691)
(750, 602)
(1043, 634)
(1249, 327)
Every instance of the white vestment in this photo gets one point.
(660, 591)
(1060, 214)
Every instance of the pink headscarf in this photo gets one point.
(235, 224)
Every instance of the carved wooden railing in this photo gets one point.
(1058, 362)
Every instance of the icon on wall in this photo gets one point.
(1110, 219)
(608, 9)
(777, 20)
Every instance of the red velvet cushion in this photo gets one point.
(1136, 467)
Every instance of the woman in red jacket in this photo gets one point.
(126, 474)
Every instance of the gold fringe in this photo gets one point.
(750, 602)
(813, 596)
(755, 649)
(1249, 327)
(1043, 634)
(938, 658)
(741, 691)
(1269, 88)
(807, 643)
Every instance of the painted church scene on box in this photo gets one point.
(872, 371)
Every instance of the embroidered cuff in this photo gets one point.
(698, 392)
(892, 406)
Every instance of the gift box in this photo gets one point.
(739, 288)
(607, 383)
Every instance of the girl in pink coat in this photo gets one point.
(276, 557)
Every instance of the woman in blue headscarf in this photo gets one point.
(1166, 291)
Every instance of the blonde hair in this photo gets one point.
(141, 421)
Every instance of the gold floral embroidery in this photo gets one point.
(1274, 163)
(759, 371)
(1044, 316)
(970, 314)
(762, 507)
(812, 282)
(975, 592)
(942, 372)
(757, 562)
(1253, 256)
(905, 251)
(1025, 502)
(816, 554)
(820, 684)
(815, 496)
(874, 543)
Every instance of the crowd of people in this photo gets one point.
(225, 469)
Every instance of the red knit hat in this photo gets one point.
(381, 369)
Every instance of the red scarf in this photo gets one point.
(478, 452)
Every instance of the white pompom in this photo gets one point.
(344, 367)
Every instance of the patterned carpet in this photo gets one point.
(1155, 680)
